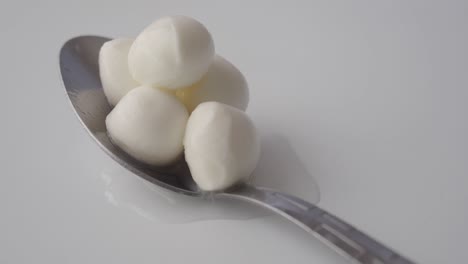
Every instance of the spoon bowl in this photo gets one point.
(80, 74)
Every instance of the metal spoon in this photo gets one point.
(80, 74)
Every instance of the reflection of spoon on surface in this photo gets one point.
(125, 190)
(80, 74)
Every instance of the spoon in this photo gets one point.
(80, 74)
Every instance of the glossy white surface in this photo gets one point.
(369, 97)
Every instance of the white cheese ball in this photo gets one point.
(148, 124)
(221, 146)
(223, 83)
(173, 52)
(113, 69)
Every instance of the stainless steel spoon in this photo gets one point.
(80, 74)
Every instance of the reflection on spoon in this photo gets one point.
(92, 103)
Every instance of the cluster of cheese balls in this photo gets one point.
(172, 94)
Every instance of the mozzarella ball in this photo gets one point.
(148, 124)
(113, 69)
(223, 83)
(173, 52)
(221, 146)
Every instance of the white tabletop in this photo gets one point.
(363, 102)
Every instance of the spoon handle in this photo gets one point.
(344, 238)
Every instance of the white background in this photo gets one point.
(365, 99)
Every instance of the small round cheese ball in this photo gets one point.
(223, 83)
(113, 69)
(173, 52)
(148, 124)
(221, 146)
